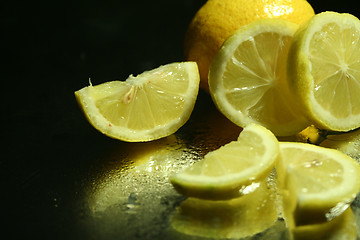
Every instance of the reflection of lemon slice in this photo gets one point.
(236, 218)
(233, 169)
(149, 106)
(318, 183)
(348, 143)
(324, 70)
(342, 227)
(247, 78)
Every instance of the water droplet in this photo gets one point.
(304, 190)
(249, 188)
(313, 163)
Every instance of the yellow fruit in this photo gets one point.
(149, 106)
(324, 70)
(318, 184)
(247, 77)
(218, 19)
(232, 170)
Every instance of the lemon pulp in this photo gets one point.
(232, 170)
(247, 78)
(324, 70)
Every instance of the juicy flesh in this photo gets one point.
(334, 54)
(255, 78)
(149, 96)
(232, 158)
(312, 172)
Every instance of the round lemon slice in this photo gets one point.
(318, 183)
(247, 78)
(324, 70)
(232, 170)
(149, 106)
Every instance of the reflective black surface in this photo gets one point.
(51, 49)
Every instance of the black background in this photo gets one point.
(49, 50)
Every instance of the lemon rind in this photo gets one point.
(299, 67)
(228, 186)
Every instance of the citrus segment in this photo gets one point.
(318, 183)
(233, 169)
(247, 77)
(149, 106)
(324, 70)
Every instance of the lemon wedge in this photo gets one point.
(233, 170)
(149, 106)
(324, 70)
(318, 183)
(247, 78)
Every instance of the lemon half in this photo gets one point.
(324, 70)
(247, 77)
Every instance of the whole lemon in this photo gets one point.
(216, 20)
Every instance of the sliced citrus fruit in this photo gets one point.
(318, 183)
(233, 169)
(247, 78)
(216, 20)
(149, 106)
(324, 70)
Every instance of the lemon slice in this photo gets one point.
(247, 78)
(232, 170)
(318, 183)
(149, 106)
(324, 70)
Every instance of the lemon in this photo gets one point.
(247, 77)
(324, 70)
(318, 184)
(232, 170)
(217, 20)
(150, 106)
